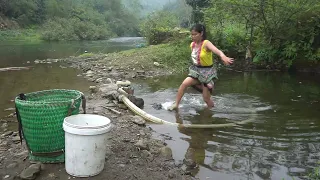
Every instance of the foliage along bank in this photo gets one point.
(69, 19)
(260, 34)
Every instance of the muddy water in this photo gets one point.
(282, 142)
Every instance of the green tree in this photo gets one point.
(85, 18)
(197, 9)
(278, 32)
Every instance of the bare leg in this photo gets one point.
(207, 97)
(185, 84)
(199, 87)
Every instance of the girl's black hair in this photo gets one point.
(200, 29)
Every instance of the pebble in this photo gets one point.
(122, 165)
(109, 81)
(8, 133)
(190, 163)
(142, 133)
(145, 153)
(171, 174)
(10, 109)
(296, 170)
(122, 106)
(22, 154)
(142, 145)
(13, 165)
(93, 89)
(138, 120)
(16, 139)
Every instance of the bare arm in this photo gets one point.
(218, 52)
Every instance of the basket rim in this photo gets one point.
(25, 102)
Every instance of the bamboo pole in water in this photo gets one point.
(154, 119)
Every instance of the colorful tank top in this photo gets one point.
(200, 56)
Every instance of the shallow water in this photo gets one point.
(281, 142)
(48, 76)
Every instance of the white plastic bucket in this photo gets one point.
(85, 144)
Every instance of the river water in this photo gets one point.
(282, 141)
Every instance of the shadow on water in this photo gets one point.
(282, 141)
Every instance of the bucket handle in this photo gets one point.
(84, 104)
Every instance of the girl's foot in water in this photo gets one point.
(210, 104)
(174, 106)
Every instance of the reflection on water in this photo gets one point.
(15, 53)
(38, 78)
(282, 141)
(48, 76)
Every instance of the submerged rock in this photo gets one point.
(157, 106)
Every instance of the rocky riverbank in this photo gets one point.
(132, 152)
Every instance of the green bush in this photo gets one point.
(25, 35)
(74, 29)
(158, 27)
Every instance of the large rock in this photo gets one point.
(105, 88)
(111, 95)
(139, 102)
(166, 152)
(31, 172)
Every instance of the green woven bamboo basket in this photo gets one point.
(41, 115)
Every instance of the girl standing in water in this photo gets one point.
(201, 73)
